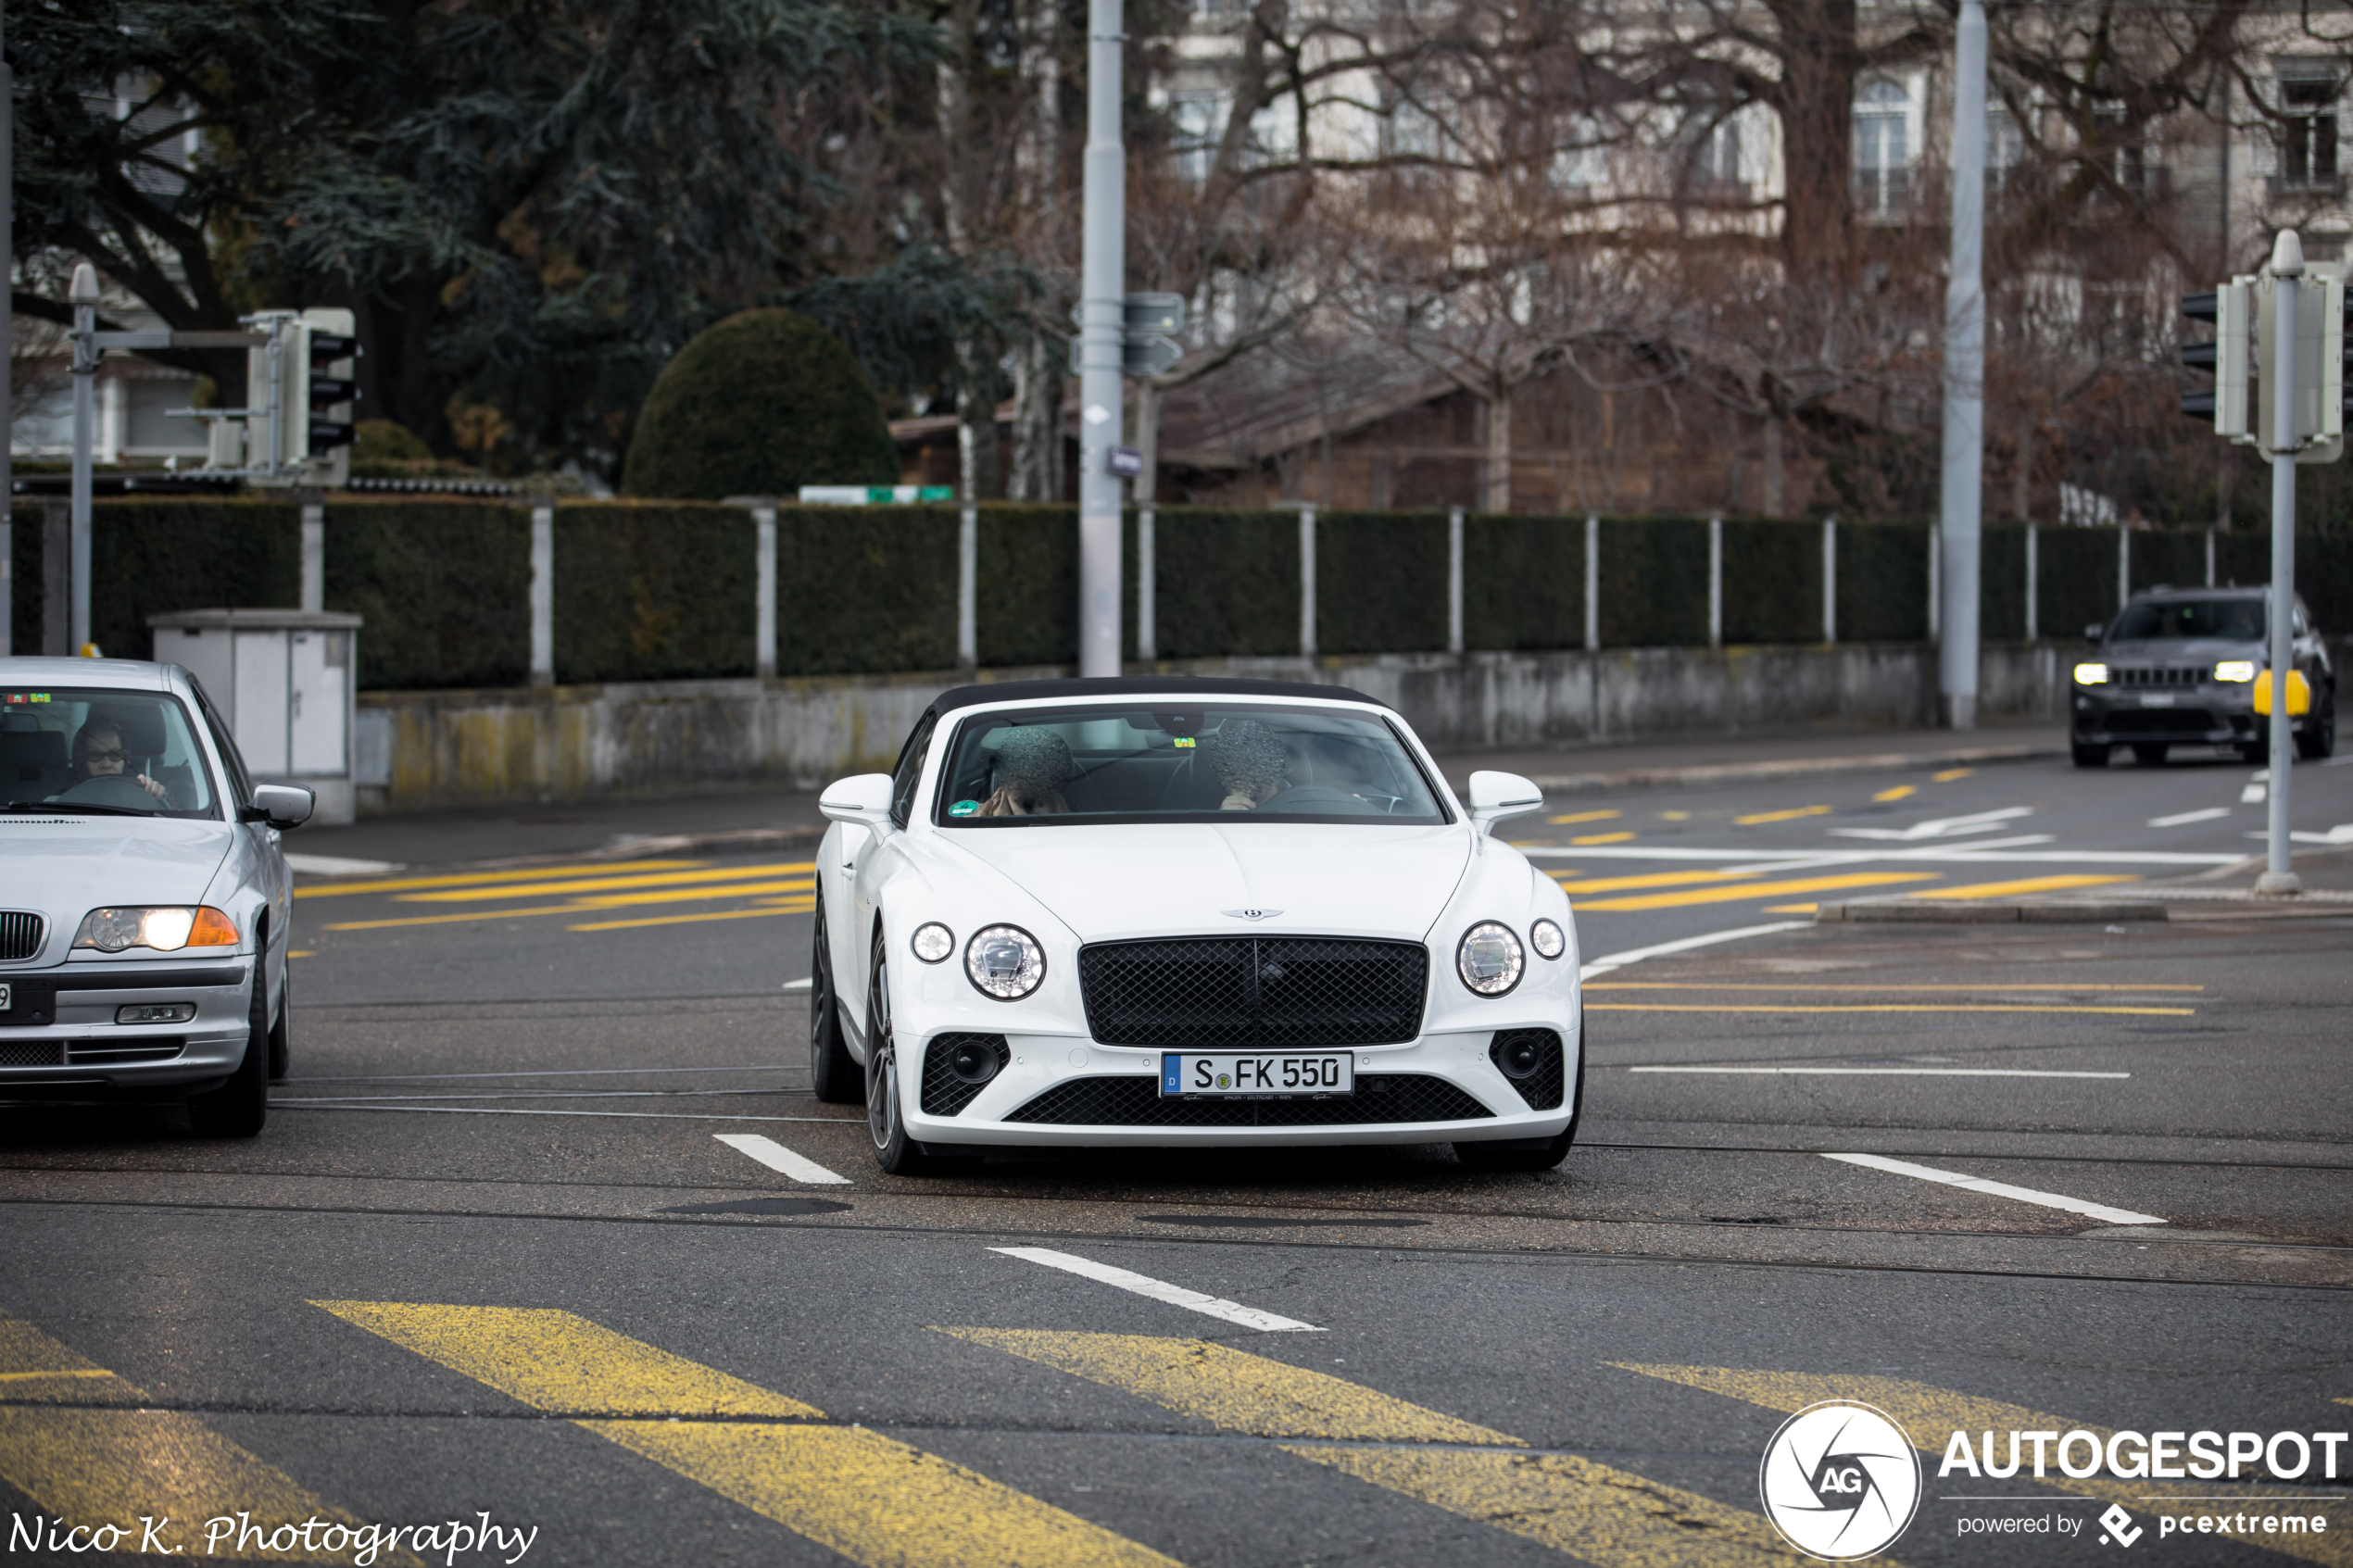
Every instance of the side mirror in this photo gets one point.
(1496, 797)
(862, 800)
(283, 806)
(2092, 633)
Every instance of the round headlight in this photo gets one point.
(1490, 960)
(933, 942)
(1546, 938)
(1004, 961)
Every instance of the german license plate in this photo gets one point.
(2156, 699)
(5, 1003)
(1278, 1077)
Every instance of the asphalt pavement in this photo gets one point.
(547, 1233)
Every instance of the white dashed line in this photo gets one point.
(1608, 961)
(776, 1157)
(1891, 1072)
(1160, 1290)
(795, 985)
(2001, 1189)
(2183, 819)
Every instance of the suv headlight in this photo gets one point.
(1004, 962)
(1490, 961)
(2090, 674)
(2235, 671)
(167, 929)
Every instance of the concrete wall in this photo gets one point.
(421, 750)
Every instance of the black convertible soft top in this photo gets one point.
(1122, 688)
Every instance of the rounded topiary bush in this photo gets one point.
(759, 404)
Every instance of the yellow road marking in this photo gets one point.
(1601, 838)
(800, 909)
(1727, 894)
(1882, 1006)
(302, 952)
(469, 879)
(608, 884)
(584, 905)
(1674, 816)
(1899, 792)
(1583, 817)
(1949, 774)
(2026, 884)
(872, 1498)
(1648, 879)
(1930, 1415)
(1784, 985)
(1789, 816)
(83, 1451)
(1606, 1516)
(1792, 909)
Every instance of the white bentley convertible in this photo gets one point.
(1187, 911)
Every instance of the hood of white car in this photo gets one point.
(1163, 879)
(67, 866)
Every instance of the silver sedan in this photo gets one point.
(143, 902)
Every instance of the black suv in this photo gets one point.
(2178, 667)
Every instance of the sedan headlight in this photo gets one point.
(166, 930)
(1547, 939)
(1490, 960)
(1004, 961)
(2090, 674)
(932, 942)
(2237, 672)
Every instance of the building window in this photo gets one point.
(1719, 157)
(1196, 124)
(2308, 130)
(1883, 155)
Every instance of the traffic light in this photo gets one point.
(2320, 362)
(2227, 357)
(329, 351)
(300, 396)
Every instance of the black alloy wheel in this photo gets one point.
(281, 1032)
(2316, 741)
(238, 1108)
(2089, 756)
(894, 1151)
(832, 1072)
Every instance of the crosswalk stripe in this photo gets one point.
(1647, 879)
(1929, 1415)
(544, 889)
(73, 1439)
(1728, 892)
(1607, 1516)
(473, 879)
(776, 1157)
(801, 906)
(872, 1498)
(1161, 1290)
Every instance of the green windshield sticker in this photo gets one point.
(964, 808)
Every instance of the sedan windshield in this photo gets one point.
(1222, 763)
(2236, 621)
(105, 753)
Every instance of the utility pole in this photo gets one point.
(2287, 267)
(1102, 346)
(1964, 453)
(83, 296)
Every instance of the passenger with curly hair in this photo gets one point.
(1031, 767)
(1251, 764)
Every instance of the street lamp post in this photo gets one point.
(1101, 336)
(1963, 447)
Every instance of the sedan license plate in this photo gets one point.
(1278, 1077)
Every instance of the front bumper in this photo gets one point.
(59, 1037)
(2211, 714)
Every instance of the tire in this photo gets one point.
(1534, 1154)
(2255, 751)
(238, 1108)
(894, 1151)
(832, 1072)
(2318, 739)
(2150, 754)
(2089, 756)
(281, 1032)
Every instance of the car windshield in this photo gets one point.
(1224, 762)
(2236, 621)
(104, 753)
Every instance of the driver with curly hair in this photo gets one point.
(1252, 767)
(98, 753)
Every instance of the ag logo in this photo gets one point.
(1840, 1481)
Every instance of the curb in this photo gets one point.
(1792, 767)
(1976, 911)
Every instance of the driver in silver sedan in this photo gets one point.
(98, 752)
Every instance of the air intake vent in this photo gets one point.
(149, 1049)
(32, 1053)
(1243, 993)
(945, 1090)
(1533, 1065)
(1137, 1102)
(19, 935)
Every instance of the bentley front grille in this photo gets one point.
(1253, 993)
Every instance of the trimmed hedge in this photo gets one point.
(1228, 582)
(663, 591)
(150, 556)
(1375, 572)
(860, 590)
(2075, 578)
(1523, 583)
(1654, 582)
(1882, 583)
(1772, 581)
(445, 586)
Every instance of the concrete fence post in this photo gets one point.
(1935, 581)
(314, 549)
(1146, 586)
(542, 593)
(1307, 582)
(1593, 581)
(2209, 558)
(1716, 582)
(763, 629)
(57, 578)
(2123, 565)
(1455, 581)
(1829, 580)
(968, 587)
(2033, 585)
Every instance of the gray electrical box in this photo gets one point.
(285, 680)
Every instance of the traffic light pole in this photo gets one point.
(1102, 351)
(2287, 267)
(1964, 446)
(83, 297)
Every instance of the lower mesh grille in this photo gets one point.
(1543, 1088)
(19, 934)
(1137, 1102)
(944, 1094)
(2161, 722)
(32, 1053)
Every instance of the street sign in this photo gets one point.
(1154, 315)
(1127, 463)
(1148, 325)
(873, 495)
(1151, 357)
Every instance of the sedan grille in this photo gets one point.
(1222, 993)
(19, 935)
(1137, 1103)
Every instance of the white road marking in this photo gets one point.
(1942, 827)
(2341, 833)
(2252, 795)
(1160, 1290)
(2183, 819)
(276, 1104)
(1992, 852)
(1608, 961)
(1892, 1072)
(776, 1157)
(797, 984)
(2000, 1189)
(336, 865)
